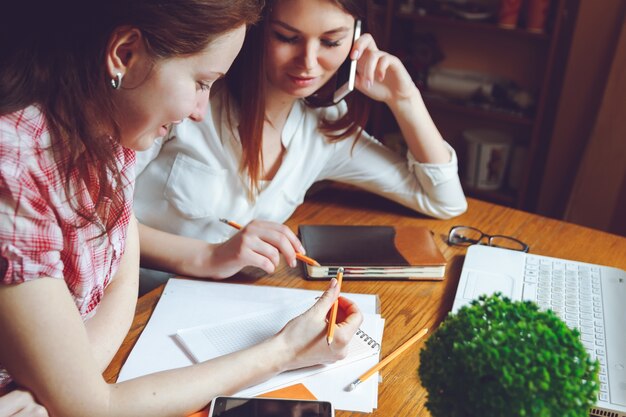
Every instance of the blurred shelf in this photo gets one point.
(536, 61)
(475, 111)
(377, 9)
(484, 26)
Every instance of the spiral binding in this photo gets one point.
(367, 339)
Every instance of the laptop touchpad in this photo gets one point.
(479, 282)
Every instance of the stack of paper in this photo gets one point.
(192, 308)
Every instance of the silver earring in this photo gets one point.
(116, 82)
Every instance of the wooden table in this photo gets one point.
(411, 306)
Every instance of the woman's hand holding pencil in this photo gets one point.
(259, 244)
(304, 337)
(299, 255)
(330, 333)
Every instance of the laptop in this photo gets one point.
(591, 298)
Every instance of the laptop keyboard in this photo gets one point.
(574, 293)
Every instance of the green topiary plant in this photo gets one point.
(498, 358)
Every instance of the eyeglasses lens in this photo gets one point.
(465, 236)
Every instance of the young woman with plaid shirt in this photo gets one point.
(82, 87)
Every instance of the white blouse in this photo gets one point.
(190, 179)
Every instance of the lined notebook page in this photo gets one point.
(207, 342)
(213, 340)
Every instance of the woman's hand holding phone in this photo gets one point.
(380, 75)
(346, 74)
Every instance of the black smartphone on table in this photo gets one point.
(269, 407)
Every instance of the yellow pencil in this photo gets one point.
(388, 359)
(333, 312)
(299, 256)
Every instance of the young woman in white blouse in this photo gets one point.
(256, 169)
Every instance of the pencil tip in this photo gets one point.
(352, 386)
(223, 220)
(329, 340)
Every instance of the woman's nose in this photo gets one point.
(309, 55)
(201, 105)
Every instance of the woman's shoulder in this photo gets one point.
(25, 127)
(24, 138)
(27, 167)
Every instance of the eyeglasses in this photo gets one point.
(466, 236)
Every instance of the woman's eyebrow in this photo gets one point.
(290, 28)
(212, 74)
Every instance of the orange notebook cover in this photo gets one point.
(296, 392)
(372, 252)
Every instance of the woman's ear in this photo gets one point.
(124, 49)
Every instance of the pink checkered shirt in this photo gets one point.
(38, 233)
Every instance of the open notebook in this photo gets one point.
(193, 303)
(213, 340)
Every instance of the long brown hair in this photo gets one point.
(54, 57)
(246, 83)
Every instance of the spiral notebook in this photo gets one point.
(210, 341)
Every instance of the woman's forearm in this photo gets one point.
(108, 327)
(64, 376)
(51, 356)
(418, 129)
(173, 253)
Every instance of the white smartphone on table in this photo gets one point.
(269, 407)
(346, 74)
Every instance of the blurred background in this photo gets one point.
(530, 93)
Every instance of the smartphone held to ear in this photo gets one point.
(346, 74)
(269, 407)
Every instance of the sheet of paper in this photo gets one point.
(189, 303)
(242, 332)
(208, 342)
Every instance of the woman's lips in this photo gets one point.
(302, 81)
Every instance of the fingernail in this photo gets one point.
(294, 263)
(369, 84)
(302, 251)
(333, 283)
(355, 54)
